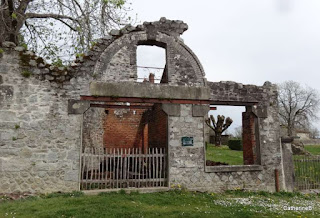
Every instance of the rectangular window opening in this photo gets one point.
(239, 142)
(151, 64)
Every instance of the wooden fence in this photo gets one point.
(307, 172)
(103, 168)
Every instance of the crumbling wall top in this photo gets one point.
(170, 27)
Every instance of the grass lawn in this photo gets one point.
(313, 149)
(224, 154)
(163, 204)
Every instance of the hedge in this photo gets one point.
(235, 144)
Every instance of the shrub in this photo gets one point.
(235, 144)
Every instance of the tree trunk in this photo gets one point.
(9, 24)
(290, 129)
(218, 139)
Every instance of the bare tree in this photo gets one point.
(298, 105)
(314, 132)
(48, 26)
(218, 126)
(238, 132)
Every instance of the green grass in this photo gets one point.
(163, 204)
(313, 149)
(224, 154)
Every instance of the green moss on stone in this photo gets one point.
(26, 73)
(25, 59)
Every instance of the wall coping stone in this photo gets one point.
(240, 168)
(142, 90)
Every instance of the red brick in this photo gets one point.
(248, 138)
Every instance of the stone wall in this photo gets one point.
(93, 128)
(187, 164)
(39, 141)
(41, 133)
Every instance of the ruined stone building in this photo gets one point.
(64, 128)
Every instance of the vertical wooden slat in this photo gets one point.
(110, 167)
(153, 169)
(135, 167)
(128, 166)
(125, 168)
(95, 167)
(147, 166)
(91, 168)
(160, 165)
(117, 167)
(106, 167)
(121, 168)
(99, 170)
(143, 165)
(138, 167)
(157, 168)
(150, 165)
(87, 170)
(114, 168)
(83, 167)
(102, 163)
(165, 166)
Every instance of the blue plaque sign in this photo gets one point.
(187, 141)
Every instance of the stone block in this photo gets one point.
(26, 153)
(146, 90)
(200, 110)
(10, 164)
(171, 109)
(288, 166)
(71, 175)
(77, 106)
(261, 112)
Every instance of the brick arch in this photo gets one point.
(117, 62)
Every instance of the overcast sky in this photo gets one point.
(247, 41)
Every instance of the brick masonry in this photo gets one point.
(124, 128)
(41, 140)
(158, 128)
(248, 138)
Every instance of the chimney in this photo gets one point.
(151, 78)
